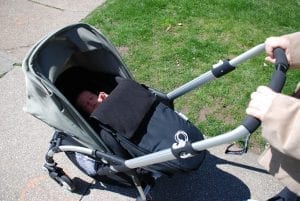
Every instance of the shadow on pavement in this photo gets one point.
(208, 183)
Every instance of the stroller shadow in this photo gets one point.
(207, 183)
(80, 183)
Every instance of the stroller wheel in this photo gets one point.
(66, 182)
(58, 175)
(148, 198)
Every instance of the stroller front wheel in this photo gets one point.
(66, 182)
(148, 198)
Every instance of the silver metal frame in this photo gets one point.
(208, 76)
(166, 155)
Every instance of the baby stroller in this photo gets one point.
(151, 140)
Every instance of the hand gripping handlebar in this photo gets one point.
(276, 84)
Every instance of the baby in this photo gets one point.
(88, 101)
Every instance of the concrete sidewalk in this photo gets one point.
(24, 139)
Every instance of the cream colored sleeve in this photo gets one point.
(281, 125)
(294, 39)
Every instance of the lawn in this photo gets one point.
(166, 43)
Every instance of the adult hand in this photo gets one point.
(274, 42)
(261, 101)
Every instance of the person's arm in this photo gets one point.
(290, 43)
(280, 116)
(281, 125)
(261, 101)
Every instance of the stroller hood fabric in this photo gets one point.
(78, 44)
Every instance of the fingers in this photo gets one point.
(270, 59)
(264, 89)
(255, 107)
(261, 93)
(274, 42)
(254, 112)
(270, 44)
(261, 101)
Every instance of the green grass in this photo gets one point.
(171, 42)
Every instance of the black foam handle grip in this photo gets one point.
(281, 59)
(277, 82)
(251, 123)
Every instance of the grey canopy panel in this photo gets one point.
(80, 46)
(71, 46)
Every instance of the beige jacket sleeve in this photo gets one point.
(281, 125)
(294, 40)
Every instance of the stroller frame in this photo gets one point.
(178, 150)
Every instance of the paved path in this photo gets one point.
(24, 139)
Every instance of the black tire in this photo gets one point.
(66, 182)
(148, 198)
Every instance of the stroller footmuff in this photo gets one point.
(144, 125)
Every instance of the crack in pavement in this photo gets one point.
(47, 5)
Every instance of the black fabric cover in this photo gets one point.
(125, 107)
(158, 133)
(143, 125)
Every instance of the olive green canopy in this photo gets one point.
(73, 45)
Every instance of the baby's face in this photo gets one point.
(89, 101)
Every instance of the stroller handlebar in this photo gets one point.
(217, 71)
(247, 55)
(248, 126)
(276, 84)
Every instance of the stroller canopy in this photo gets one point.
(72, 46)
